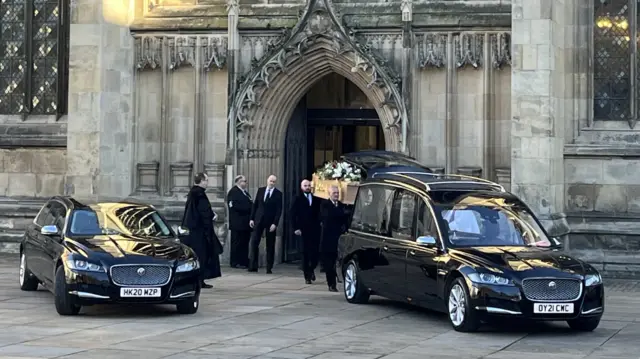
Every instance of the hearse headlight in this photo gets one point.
(188, 266)
(488, 278)
(82, 265)
(592, 279)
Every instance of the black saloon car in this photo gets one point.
(463, 246)
(105, 253)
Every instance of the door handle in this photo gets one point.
(385, 248)
(413, 253)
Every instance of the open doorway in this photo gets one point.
(334, 117)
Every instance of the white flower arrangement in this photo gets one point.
(341, 171)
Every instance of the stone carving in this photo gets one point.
(503, 177)
(318, 22)
(181, 173)
(259, 153)
(501, 50)
(432, 50)
(147, 177)
(469, 49)
(148, 52)
(214, 51)
(181, 51)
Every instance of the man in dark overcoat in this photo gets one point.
(265, 216)
(305, 223)
(333, 219)
(239, 204)
(198, 219)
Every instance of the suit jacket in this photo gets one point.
(334, 223)
(305, 216)
(239, 205)
(269, 212)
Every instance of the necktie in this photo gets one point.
(309, 198)
(267, 195)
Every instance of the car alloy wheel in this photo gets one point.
(350, 281)
(28, 282)
(457, 305)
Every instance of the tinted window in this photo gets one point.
(131, 220)
(44, 216)
(58, 213)
(426, 226)
(85, 222)
(404, 213)
(372, 211)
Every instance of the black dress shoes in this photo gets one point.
(204, 285)
(307, 281)
(333, 289)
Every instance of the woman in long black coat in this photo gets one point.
(199, 218)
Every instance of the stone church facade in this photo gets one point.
(129, 98)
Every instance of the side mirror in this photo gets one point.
(427, 241)
(50, 230)
(181, 231)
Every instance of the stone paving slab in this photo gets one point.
(259, 316)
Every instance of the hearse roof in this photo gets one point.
(436, 182)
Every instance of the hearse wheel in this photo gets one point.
(189, 306)
(584, 324)
(65, 302)
(354, 289)
(462, 316)
(28, 282)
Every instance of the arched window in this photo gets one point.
(34, 48)
(615, 60)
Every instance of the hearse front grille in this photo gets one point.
(144, 275)
(549, 290)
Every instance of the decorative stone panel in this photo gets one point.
(470, 171)
(503, 176)
(181, 176)
(438, 170)
(147, 177)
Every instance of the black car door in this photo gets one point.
(422, 260)
(34, 242)
(53, 244)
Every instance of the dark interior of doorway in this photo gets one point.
(315, 136)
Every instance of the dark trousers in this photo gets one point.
(310, 255)
(239, 253)
(254, 246)
(328, 260)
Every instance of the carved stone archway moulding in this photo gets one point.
(317, 45)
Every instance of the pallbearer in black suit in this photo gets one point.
(305, 223)
(265, 215)
(333, 219)
(239, 203)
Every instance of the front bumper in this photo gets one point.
(509, 301)
(97, 288)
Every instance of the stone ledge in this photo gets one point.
(602, 150)
(33, 135)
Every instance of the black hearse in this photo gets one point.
(461, 245)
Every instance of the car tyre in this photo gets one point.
(189, 306)
(354, 290)
(584, 324)
(65, 302)
(28, 282)
(462, 316)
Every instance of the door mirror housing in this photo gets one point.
(181, 231)
(50, 230)
(427, 241)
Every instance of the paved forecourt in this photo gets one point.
(278, 316)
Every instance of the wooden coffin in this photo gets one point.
(348, 190)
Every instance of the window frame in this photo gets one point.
(356, 208)
(62, 77)
(396, 213)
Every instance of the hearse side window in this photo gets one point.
(403, 214)
(44, 216)
(426, 226)
(373, 210)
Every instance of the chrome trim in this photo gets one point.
(591, 311)
(88, 295)
(141, 265)
(495, 310)
(553, 301)
(185, 294)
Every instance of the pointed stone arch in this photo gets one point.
(264, 102)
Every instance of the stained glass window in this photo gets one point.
(34, 57)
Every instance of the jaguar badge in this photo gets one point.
(141, 271)
(552, 285)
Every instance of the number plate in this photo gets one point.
(553, 308)
(139, 292)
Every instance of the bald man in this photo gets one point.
(265, 215)
(305, 223)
